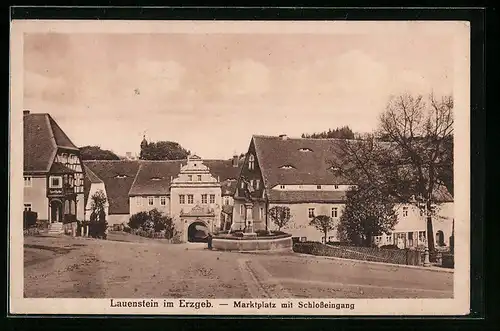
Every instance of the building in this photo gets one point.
(53, 172)
(194, 192)
(297, 173)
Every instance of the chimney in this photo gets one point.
(283, 137)
(235, 160)
(26, 112)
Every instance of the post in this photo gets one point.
(249, 219)
(427, 263)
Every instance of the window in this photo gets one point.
(251, 183)
(242, 211)
(257, 184)
(199, 178)
(182, 199)
(282, 187)
(323, 240)
(303, 239)
(151, 201)
(55, 182)
(331, 238)
(242, 184)
(27, 181)
(226, 201)
(203, 198)
(251, 162)
(388, 238)
(138, 201)
(261, 213)
(287, 166)
(163, 201)
(311, 212)
(336, 187)
(212, 198)
(405, 211)
(318, 187)
(421, 237)
(190, 178)
(27, 207)
(334, 212)
(190, 199)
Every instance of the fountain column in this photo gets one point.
(249, 219)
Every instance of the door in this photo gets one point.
(55, 211)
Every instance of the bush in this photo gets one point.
(30, 218)
(338, 243)
(138, 220)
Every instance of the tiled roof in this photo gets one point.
(310, 160)
(277, 196)
(59, 168)
(154, 177)
(91, 176)
(42, 136)
(118, 177)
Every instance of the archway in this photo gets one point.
(440, 238)
(198, 232)
(56, 211)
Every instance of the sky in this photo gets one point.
(212, 92)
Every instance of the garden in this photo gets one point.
(152, 224)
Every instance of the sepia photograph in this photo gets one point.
(239, 167)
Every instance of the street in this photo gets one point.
(128, 266)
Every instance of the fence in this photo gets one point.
(374, 254)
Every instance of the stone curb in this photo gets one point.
(435, 269)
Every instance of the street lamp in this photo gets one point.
(427, 262)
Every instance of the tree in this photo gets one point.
(344, 132)
(161, 222)
(162, 150)
(367, 213)
(409, 157)
(96, 153)
(98, 224)
(280, 215)
(323, 223)
(138, 220)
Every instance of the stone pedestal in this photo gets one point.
(249, 218)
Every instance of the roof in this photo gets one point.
(277, 196)
(59, 168)
(92, 177)
(154, 177)
(309, 158)
(42, 137)
(118, 177)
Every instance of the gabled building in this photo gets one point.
(192, 192)
(297, 173)
(53, 172)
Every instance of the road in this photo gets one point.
(135, 267)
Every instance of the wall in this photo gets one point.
(299, 220)
(196, 192)
(37, 196)
(118, 219)
(140, 203)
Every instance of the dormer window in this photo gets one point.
(336, 187)
(251, 162)
(305, 149)
(282, 187)
(121, 176)
(156, 178)
(287, 166)
(318, 187)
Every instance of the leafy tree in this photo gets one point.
(280, 215)
(138, 220)
(344, 132)
(323, 223)
(161, 222)
(162, 150)
(96, 153)
(367, 213)
(410, 156)
(98, 224)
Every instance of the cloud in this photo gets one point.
(46, 87)
(245, 77)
